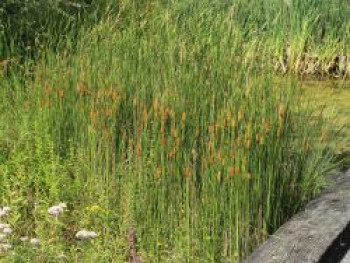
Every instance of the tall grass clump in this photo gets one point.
(160, 136)
(308, 38)
(29, 26)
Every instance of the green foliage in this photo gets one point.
(31, 24)
(163, 117)
(304, 37)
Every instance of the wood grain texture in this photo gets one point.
(308, 234)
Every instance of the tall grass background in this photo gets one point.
(164, 118)
(303, 37)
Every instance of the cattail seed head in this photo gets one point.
(239, 140)
(172, 154)
(167, 114)
(99, 93)
(47, 89)
(174, 132)
(83, 90)
(108, 93)
(247, 91)
(187, 172)
(197, 130)
(134, 102)
(219, 155)
(183, 117)
(240, 115)
(177, 142)
(218, 177)
(211, 129)
(144, 116)
(60, 93)
(248, 130)
(93, 115)
(280, 131)
(245, 160)
(261, 139)
(228, 115)
(281, 111)
(231, 171)
(237, 171)
(139, 148)
(181, 53)
(217, 129)
(155, 105)
(115, 95)
(163, 142)
(248, 144)
(233, 124)
(162, 127)
(267, 127)
(158, 172)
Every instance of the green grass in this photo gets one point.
(163, 118)
(305, 37)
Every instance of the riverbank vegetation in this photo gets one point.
(159, 128)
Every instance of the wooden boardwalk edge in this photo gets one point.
(307, 235)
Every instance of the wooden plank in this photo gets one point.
(309, 233)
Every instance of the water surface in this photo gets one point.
(334, 97)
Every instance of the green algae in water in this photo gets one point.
(333, 96)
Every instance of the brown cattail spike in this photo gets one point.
(240, 115)
(187, 172)
(60, 94)
(183, 117)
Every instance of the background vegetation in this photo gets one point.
(162, 121)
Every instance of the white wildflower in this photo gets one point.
(56, 210)
(2, 226)
(92, 234)
(4, 211)
(35, 241)
(24, 239)
(62, 257)
(63, 205)
(7, 209)
(85, 234)
(5, 246)
(3, 237)
(7, 230)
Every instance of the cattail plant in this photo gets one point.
(168, 115)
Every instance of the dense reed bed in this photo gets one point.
(299, 37)
(163, 131)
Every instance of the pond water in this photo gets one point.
(334, 96)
